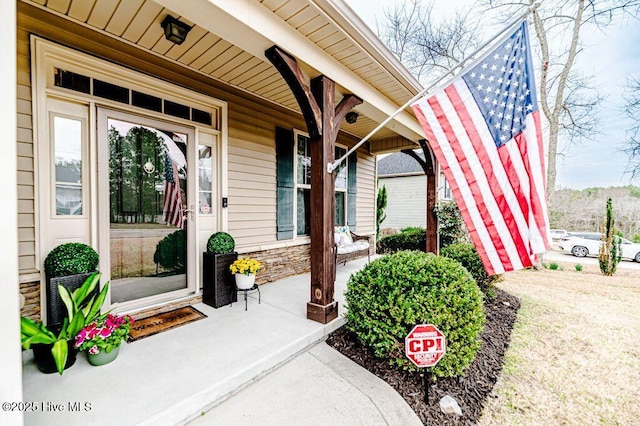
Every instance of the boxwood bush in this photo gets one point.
(220, 243)
(71, 259)
(392, 294)
(171, 252)
(467, 255)
(411, 238)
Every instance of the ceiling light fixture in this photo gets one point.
(174, 30)
(351, 117)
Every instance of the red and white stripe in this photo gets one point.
(500, 191)
(172, 210)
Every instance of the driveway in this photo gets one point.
(559, 256)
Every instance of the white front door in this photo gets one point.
(146, 198)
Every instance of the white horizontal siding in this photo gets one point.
(24, 139)
(252, 189)
(366, 197)
(406, 201)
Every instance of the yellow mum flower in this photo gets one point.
(245, 265)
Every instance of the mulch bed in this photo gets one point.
(470, 391)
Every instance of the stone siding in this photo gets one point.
(281, 263)
(31, 293)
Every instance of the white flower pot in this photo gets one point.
(245, 282)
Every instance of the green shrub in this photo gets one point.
(171, 252)
(220, 243)
(554, 266)
(468, 256)
(71, 259)
(381, 205)
(578, 267)
(451, 228)
(610, 250)
(392, 294)
(408, 239)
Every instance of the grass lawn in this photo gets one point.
(574, 356)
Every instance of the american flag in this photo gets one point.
(172, 201)
(484, 129)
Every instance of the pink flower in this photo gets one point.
(104, 332)
(94, 350)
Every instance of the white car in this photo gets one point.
(557, 234)
(581, 244)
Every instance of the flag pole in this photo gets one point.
(332, 166)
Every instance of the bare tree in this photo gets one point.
(427, 49)
(568, 99)
(568, 107)
(632, 108)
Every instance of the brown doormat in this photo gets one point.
(162, 322)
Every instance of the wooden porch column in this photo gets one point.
(323, 119)
(428, 165)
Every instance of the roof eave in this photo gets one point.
(362, 35)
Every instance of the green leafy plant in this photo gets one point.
(392, 294)
(411, 238)
(381, 205)
(80, 312)
(468, 256)
(554, 266)
(71, 259)
(451, 228)
(578, 267)
(610, 251)
(104, 334)
(171, 252)
(220, 243)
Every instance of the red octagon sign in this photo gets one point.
(425, 345)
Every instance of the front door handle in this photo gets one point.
(190, 211)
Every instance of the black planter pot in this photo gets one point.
(56, 311)
(218, 284)
(44, 359)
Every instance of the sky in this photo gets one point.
(611, 57)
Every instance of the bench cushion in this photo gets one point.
(342, 236)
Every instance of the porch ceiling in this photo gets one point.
(228, 40)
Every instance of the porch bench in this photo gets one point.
(350, 246)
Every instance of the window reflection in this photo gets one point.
(205, 179)
(67, 141)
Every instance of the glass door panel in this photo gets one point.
(147, 210)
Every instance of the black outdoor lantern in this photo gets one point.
(351, 117)
(174, 30)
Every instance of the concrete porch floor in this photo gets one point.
(171, 377)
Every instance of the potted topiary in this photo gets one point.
(218, 284)
(53, 346)
(68, 265)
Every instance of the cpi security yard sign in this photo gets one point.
(425, 345)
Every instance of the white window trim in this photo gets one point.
(345, 190)
(296, 186)
(47, 55)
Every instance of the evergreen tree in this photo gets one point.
(381, 205)
(610, 251)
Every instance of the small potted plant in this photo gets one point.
(102, 338)
(245, 270)
(218, 287)
(53, 346)
(67, 265)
